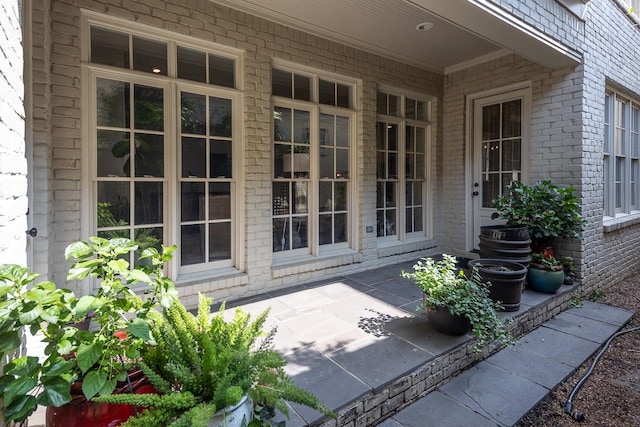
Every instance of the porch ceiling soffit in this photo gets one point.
(465, 32)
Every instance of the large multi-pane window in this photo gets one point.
(163, 144)
(621, 155)
(313, 122)
(402, 134)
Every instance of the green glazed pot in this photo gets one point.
(543, 280)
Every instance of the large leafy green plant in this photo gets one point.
(203, 363)
(444, 286)
(100, 357)
(548, 211)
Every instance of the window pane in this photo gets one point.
(409, 138)
(511, 118)
(220, 158)
(299, 164)
(491, 122)
(410, 108)
(109, 47)
(281, 232)
(410, 167)
(148, 108)
(192, 64)
(220, 116)
(302, 86)
(219, 241)
(194, 159)
(327, 92)
(390, 194)
(326, 129)
(147, 238)
(301, 126)
(149, 56)
(193, 113)
(282, 124)
(299, 233)
(326, 196)
(219, 200)
(342, 131)
(408, 193)
(421, 171)
(281, 83)
(393, 165)
(148, 205)
(113, 153)
(300, 195)
(149, 155)
(421, 114)
(417, 220)
(340, 196)
(113, 204)
(326, 229)
(221, 71)
(344, 96)
(192, 244)
(392, 138)
(417, 193)
(394, 105)
(112, 103)
(326, 163)
(192, 201)
(283, 161)
(340, 228)
(281, 198)
(342, 163)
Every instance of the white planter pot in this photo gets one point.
(234, 416)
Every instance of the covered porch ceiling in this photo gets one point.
(463, 32)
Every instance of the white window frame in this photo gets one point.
(402, 122)
(620, 127)
(171, 84)
(314, 250)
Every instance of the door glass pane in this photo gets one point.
(511, 156)
(491, 122)
(149, 56)
(192, 64)
(149, 155)
(220, 116)
(490, 189)
(219, 200)
(113, 204)
(109, 47)
(192, 201)
(148, 108)
(511, 119)
(219, 241)
(113, 153)
(148, 205)
(193, 113)
(222, 71)
(194, 159)
(112, 103)
(220, 158)
(192, 244)
(491, 157)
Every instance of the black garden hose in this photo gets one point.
(568, 406)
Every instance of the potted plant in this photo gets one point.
(208, 368)
(505, 280)
(548, 211)
(79, 364)
(546, 273)
(449, 296)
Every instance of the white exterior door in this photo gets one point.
(500, 140)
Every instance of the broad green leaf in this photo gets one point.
(140, 329)
(93, 383)
(20, 409)
(78, 273)
(108, 387)
(64, 346)
(88, 355)
(119, 265)
(87, 303)
(140, 276)
(36, 294)
(9, 341)
(18, 387)
(51, 315)
(57, 392)
(77, 250)
(25, 365)
(57, 367)
(27, 317)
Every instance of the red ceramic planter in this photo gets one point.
(79, 412)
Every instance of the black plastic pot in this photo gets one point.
(446, 323)
(506, 278)
(506, 242)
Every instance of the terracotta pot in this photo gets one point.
(80, 412)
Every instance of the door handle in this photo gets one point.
(475, 193)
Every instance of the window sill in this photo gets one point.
(228, 273)
(621, 221)
(309, 263)
(388, 248)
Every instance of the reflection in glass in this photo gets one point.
(340, 196)
(219, 200)
(511, 155)
(219, 241)
(149, 155)
(148, 108)
(112, 99)
(281, 233)
(282, 124)
(283, 161)
(326, 163)
(149, 56)
(109, 47)
(220, 158)
(192, 64)
(111, 161)
(147, 238)
(326, 129)
(300, 196)
(327, 92)
(490, 189)
(299, 232)
(491, 122)
(192, 244)
(302, 86)
(192, 201)
(281, 198)
(194, 159)
(193, 113)
(220, 116)
(113, 204)
(301, 126)
(148, 203)
(326, 196)
(511, 119)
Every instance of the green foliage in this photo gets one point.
(216, 361)
(546, 210)
(101, 356)
(546, 262)
(576, 300)
(443, 286)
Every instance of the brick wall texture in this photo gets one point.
(13, 163)
(566, 131)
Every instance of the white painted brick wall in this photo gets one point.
(13, 166)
